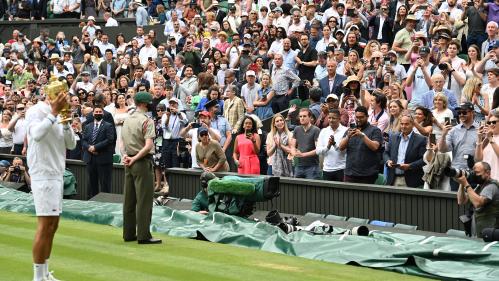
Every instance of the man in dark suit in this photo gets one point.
(219, 14)
(404, 156)
(98, 149)
(108, 67)
(382, 26)
(332, 83)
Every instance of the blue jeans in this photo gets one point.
(308, 172)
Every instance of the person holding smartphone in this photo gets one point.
(362, 143)
(246, 147)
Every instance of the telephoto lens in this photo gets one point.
(360, 230)
(490, 234)
(273, 217)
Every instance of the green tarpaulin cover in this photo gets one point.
(434, 257)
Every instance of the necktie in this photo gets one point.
(449, 82)
(108, 71)
(95, 132)
(341, 22)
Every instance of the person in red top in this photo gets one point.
(246, 148)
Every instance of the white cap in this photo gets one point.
(250, 73)
(332, 96)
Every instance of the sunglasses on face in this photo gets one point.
(462, 112)
(492, 122)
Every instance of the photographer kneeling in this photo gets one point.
(484, 198)
(17, 173)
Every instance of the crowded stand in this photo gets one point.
(402, 93)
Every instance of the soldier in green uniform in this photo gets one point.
(137, 137)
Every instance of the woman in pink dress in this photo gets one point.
(246, 148)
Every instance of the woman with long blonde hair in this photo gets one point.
(354, 66)
(440, 112)
(278, 148)
(264, 101)
(472, 93)
(371, 47)
(395, 92)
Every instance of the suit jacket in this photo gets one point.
(413, 156)
(387, 29)
(103, 68)
(108, 117)
(337, 86)
(143, 81)
(103, 143)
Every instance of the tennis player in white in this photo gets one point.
(47, 143)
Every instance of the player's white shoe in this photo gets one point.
(50, 277)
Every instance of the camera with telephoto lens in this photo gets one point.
(443, 66)
(287, 225)
(17, 170)
(490, 234)
(457, 172)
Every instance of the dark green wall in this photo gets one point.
(71, 28)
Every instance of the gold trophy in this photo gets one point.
(52, 90)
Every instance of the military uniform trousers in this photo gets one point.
(137, 206)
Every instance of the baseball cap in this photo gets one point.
(392, 52)
(424, 50)
(202, 130)
(465, 106)
(332, 96)
(210, 104)
(247, 36)
(250, 73)
(175, 100)
(204, 113)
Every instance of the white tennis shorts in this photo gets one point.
(47, 195)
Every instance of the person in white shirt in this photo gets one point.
(249, 91)
(327, 146)
(46, 156)
(339, 55)
(192, 133)
(59, 70)
(451, 7)
(147, 51)
(455, 76)
(104, 45)
(321, 69)
(109, 20)
(18, 128)
(85, 82)
(169, 28)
